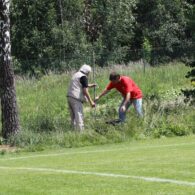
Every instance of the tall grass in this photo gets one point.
(45, 119)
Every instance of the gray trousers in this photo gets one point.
(76, 113)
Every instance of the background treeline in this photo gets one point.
(58, 34)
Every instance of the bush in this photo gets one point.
(170, 130)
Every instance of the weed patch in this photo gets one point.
(45, 118)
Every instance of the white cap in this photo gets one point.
(85, 69)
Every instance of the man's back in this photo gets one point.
(126, 85)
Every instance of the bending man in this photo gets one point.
(129, 90)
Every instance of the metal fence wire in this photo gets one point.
(103, 58)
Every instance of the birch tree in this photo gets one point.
(9, 115)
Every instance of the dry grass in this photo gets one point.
(7, 148)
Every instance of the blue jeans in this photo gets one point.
(137, 103)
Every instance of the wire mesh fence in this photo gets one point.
(63, 62)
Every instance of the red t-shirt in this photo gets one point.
(126, 85)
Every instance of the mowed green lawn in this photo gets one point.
(160, 166)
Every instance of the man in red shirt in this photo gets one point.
(129, 90)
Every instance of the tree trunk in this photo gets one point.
(10, 121)
(88, 21)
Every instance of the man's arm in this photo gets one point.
(127, 98)
(92, 85)
(86, 93)
(102, 94)
(84, 83)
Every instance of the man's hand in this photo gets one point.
(102, 94)
(93, 104)
(123, 108)
(97, 98)
(93, 85)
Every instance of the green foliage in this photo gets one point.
(45, 119)
(190, 92)
(42, 36)
(164, 23)
(147, 48)
(2, 152)
(56, 35)
(113, 21)
(31, 34)
(1, 140)
(191, 21)
(190, 62)
(171, 130)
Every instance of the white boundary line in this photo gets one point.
(148, 179)
(94, 151)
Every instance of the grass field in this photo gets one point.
(155, 166)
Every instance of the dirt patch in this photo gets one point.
(7, 148)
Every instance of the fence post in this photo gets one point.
(94, 89)
(144, 60)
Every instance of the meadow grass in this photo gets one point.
(45, 120)
(154, 166)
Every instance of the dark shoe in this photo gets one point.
(114, 122)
